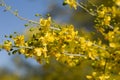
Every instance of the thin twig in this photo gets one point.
(54, 28)
(16, 14)
(78, 55)
(81, 5)
(22, 18)
(26, 47)
(70, 54)
(110, 26)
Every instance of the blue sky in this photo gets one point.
(9, 23)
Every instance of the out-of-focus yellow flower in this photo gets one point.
(45, 52)
(45, 22)
(112, 45)
(7, 45)
(94, 73)
(102, 62)
(89, 77)
(82, 40)
(19, 40)
(104, 77)
(114, 11)
(71, 3)
(107, 20)
(57, 55)
(117, 2)
(89, 43)
(110, 36)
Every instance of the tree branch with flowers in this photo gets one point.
(67, 46)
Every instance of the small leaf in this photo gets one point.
(16, 13)
(1, 4)
(10, 36)
(64, 4)
(11, 49)
(15, 32)
(34, 36)
(26, 25)
(9, 53)
(48, 15)
(6, 36)
(26, 57)
(8, 8)
(31, 29)
(37, 15)
(15, 51)
(0, 46)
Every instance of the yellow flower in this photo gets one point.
(49, 37)
(92, 55)
(38, 51)
(117, 2)
(45, 22)
(89, 77)
(89, 43)
(71, 3)
(7, 45)
(112, 45)
(107, 20)
(114, 11)
(82, 39)
(22, 51)
(94, 73)
(102, 12)
(110, 36)
(19, 40)
(104, 77)
(102, 62)
(71, 31)
(57, 55)
(45, 52)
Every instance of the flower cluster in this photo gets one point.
(45, 22)
(19, 40)
(7, 45)
(63, 43)
(117, 2)
(71, 3)
(106, 16)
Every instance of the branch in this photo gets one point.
(79, 55)
(70, 54)
(81, 5)
(7, 8)
(26, 47)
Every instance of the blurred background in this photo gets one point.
(17, 67)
